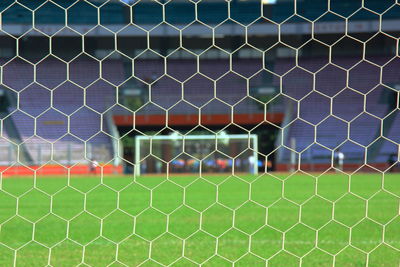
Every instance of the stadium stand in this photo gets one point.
(352, 112)
(178, 12)
(347, 103)
(68, 97)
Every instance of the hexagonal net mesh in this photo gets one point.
(199, 133)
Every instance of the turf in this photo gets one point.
(216, 220)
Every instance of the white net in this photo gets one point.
(199, 133)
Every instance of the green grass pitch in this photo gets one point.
(278, 220)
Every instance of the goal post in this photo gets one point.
(208, 153)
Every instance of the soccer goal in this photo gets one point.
(197, 153)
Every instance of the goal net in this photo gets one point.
(200, 133)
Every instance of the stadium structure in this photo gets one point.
(117, 69)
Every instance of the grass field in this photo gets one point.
(277, 220)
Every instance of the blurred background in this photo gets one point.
(315, 81)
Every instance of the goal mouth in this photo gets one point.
(211, 154)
